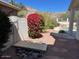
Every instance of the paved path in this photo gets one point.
(61, 49)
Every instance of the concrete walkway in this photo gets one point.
(59, 49)
(63, 49)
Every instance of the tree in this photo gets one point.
(19, 5)
(22, 13)
(12, 2)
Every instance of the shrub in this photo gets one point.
(4, 28)
(62, 31)
(42, 25)
(34, 24)
(49, 22)
(22, 13)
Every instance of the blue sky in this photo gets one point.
(47, 5)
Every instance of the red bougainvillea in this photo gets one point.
(34, 21)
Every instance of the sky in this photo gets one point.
(47, 5)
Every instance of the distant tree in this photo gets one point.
(12, 2)
(22, 13)
(19, 5)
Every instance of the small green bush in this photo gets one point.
(49, 23)
(42, 25)
(22, 13)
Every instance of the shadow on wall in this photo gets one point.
(15, 32)
(16, 36)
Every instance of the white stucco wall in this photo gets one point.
(23, 28)
(20, 28)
